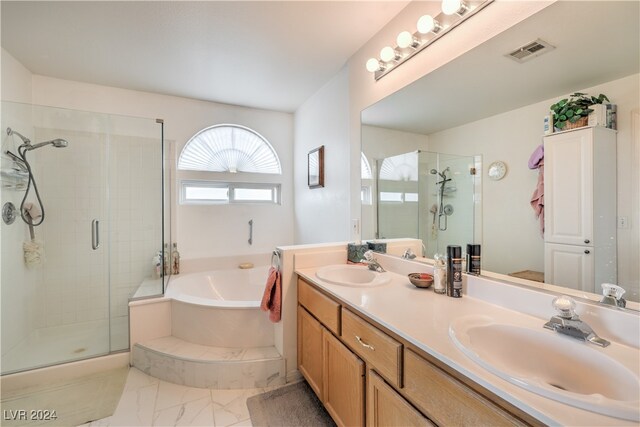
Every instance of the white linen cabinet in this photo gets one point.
(580, 208)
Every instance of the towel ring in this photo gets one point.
(275, 260)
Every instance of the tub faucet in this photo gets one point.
(373, 263)
(567, 322)
(408, 254)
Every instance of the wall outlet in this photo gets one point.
(623, 222)
(355, 227)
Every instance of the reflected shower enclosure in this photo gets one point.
(420, 194)
(88, 219)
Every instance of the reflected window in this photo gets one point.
(365, 167)
(403, 167)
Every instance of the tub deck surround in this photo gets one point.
(208, 331)
(422, 318)
(181, 362)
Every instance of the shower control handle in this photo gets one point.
(95, 234)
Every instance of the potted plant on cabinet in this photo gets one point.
(573, 112)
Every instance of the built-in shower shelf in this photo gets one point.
(181, 362)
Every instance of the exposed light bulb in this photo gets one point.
(426, 25)
(449, 7)
(388, 54)
(406, 39)
(373, 65)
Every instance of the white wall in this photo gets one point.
(512, 137)
(16, 79)
(322, 213)
(201, 231)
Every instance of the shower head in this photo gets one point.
(59, 143)
(442, 174)
(22, 137)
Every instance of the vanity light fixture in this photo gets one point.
(427, 24)
(449, 7)
(374, 65)
(388, 54)
(429, 29)
(406, 39)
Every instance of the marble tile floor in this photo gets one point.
(148, 401)
(64, 403)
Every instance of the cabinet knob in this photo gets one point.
(587, 251)
(587, 241)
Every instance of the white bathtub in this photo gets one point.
(221, 308)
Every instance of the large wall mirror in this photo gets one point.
(427, 149)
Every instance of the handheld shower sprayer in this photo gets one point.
(58, 143)
(22, 151)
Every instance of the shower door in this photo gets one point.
(102, 200)
(447, 204)
(56, 310)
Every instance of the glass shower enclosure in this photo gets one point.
(83, 222)
(424, 195)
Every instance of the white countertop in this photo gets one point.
(422, 317)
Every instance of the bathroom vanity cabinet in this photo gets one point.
(356, 367)
(580, 208)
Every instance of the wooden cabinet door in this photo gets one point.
(310, 350)
(447, 401)
(343, 383)
(386, 408)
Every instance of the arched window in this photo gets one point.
(403, 167)
(365, 168)
(229, 148)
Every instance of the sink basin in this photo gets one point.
(554, 366)
(352, 275)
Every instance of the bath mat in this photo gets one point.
(291, 405)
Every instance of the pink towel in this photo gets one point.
(272, 298)
(537, 198)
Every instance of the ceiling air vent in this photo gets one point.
(530, 51)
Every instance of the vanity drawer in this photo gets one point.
(378, 349)
(322, 307)
(446, 400)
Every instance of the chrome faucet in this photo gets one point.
(612, 295)
(567, 322)
(373, 263)
(408, 254)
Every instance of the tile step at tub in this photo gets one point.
(175, 360)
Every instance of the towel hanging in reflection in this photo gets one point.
(537, 198)
(272, 298)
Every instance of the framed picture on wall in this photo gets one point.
(315, 171)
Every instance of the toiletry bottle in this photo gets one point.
(547, 127)
(175, 260)
(454, 271)
(439, 274)
(473, 259)
(165, 259)
(473, 262)
(156, 266)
